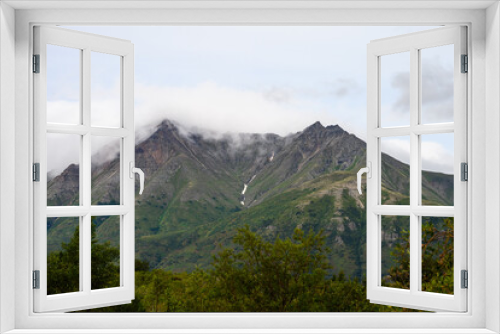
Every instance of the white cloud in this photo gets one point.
(216, 110)
(222, 109)
(397, 148)
(401, 83)
(207, 107)
(63, 112)
(268, 79)
(342, 87)
(105, 105)
(435, 156)
(278, 94)
(437, 89)
(62, 150)
(437, 93)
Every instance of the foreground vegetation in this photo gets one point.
(290, 275)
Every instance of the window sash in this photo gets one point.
(414, 298)
(86, 298)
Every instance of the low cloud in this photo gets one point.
(104, 149)
(338, 88)
(63, 112)
(208, 109)
(437, 93)
(342, 87)
(401, 83)
(62, 151)
(435, 156)
(215, 111)
(397, 148)
(227, 110)
(279, 94)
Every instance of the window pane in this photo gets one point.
(437, 254)
(395, 170)
(437, 84)
(63, 255)
(105, 170)
(106, 90)
(395, 237)
(63, 84)
(105, 252)
(63, 169)
(395, 90)
(437, 169)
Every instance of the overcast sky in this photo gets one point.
(261, 79)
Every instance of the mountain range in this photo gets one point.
(199, 189)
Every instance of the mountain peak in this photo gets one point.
(167, 124)
(318, 129)
(334, 127)
(317, 126)
(72, 169)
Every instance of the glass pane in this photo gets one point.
(437, 254)
(437, 169)
(105, 252)
(63, 169)
(395, 90)
(63, 255)
(395, 170)
(105, 170)
(437, 84)
(63, 84)
(106, 90)
(395, 236)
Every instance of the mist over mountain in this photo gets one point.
(200, 189)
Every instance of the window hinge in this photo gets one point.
(36, 279)
(465, 64)
(464, 171)
(465, 279)
(36, 63)
(36, 172)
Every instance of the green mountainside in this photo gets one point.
(193, 203)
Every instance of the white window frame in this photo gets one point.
(87, 44)
(483, 100)
(414, 297)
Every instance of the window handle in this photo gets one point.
(368, 171)
(135, 170)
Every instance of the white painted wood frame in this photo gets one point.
(86, 298)
(415, 297)
(483, 122)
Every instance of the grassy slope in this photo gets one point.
(317, 205)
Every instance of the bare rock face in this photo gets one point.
(63, 190)
(339, 241)
(352, 226)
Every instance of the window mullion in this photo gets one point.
(414, 175)
(85, 245)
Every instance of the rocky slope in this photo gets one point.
(193, 201)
